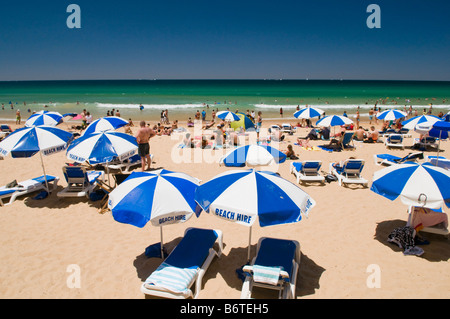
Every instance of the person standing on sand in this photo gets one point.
(143, 136)
(258, 124)
(18, 117)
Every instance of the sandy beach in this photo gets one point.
(345, 234)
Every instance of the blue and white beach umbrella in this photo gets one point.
(253, 155)
(161, 197)
(44, 118)
(416, 184)
(228, 116)
(28, 141)
(104, 124)
(102, 147)
(308, 113)
(244, 196)
(334, 120)
(421, 119)
(391, 115)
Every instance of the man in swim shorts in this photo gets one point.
(143, 136)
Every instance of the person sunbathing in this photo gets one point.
(360, 134)
(304, 143)
(188, 141)
(208, 125)
(290, 153)
(372, 136)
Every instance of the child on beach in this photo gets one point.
(290, 153)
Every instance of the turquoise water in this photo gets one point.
(184, 97)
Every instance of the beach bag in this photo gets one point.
(97, 195)
(404, 238)
(12, 184)
(330, 178)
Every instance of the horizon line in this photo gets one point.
(225, 79)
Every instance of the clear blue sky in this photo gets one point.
(179, 39)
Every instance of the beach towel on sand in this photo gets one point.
(404, 238)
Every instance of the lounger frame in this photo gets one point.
(308, 174)
(349, 176)
(78, 186)
(31, 188)
(287, 289)
(154, 290)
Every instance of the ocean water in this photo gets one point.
(184, 97)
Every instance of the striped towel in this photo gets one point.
(267, 275)
(172, 278)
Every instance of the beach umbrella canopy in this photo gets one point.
(421, 119)
(244, 196)
(253, 155)
(442, 126)
(228, 116)
(416, 184)
(440, 129)
(243, 122)
(102, 147)
(104, 124)
(308, 113)
(391, 115)
(44, 118)
(334, 120)
(28, 141)
(160, 197)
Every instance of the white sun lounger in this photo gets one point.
(27, 187)
(127, 164)
(431, 229)
(275, 266)
(394, 140)
(186, 264)
(388, 159)
(307, 171)
(350, 172)
(441, 162)
(80, 182)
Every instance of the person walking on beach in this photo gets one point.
(143, 136)
(18, 118)
(258, 124)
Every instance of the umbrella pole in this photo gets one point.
(439, 146)
(249, 243)
(45, 174)
(162, 247)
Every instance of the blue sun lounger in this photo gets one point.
(394, 140)
(441, 162)
(275, 267)
(350, 172)
(186, 264)
(388, 159)
(80, 182)
(307, 171)
(27, 187)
